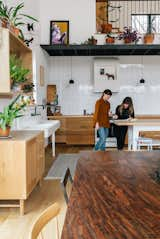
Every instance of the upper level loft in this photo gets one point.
(123, 27)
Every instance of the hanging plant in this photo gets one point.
(128, 35)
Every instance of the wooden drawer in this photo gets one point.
(61, 138)
(150, 134)
(74, 139)
(79, 123)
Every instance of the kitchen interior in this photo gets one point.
(58, 119)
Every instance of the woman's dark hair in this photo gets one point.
(127, 100)
(107, 92)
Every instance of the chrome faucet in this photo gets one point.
(35, 110)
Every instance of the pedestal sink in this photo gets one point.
(49, 127)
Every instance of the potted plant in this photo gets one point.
(5, 12)
(106, 27)
(110, 39)
(92, 41)
(27, 88)
(18, 73)
(13, 17)
(129, 36)
(10, 112)
(149, 36)
(17, 18)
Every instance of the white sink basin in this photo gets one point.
(48, 126)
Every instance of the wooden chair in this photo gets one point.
(64, 180)
(43, 219)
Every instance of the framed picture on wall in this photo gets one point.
(106, 74)
(59, 32)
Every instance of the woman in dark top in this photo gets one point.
(123, 111)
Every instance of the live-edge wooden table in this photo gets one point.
(114, 197)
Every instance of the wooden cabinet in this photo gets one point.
(75, 130)
(10, 44)
(21, 165)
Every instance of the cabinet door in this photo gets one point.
(31, 164)
(40, 156)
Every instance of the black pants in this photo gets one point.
(120, 133)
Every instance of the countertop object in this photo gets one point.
(114, 196)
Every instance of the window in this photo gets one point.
(146, 23)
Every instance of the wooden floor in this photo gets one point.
(14, 226)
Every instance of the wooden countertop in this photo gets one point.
(137, 122)
(22, 135)
(78, 116)
(114, 196)
(68, 116)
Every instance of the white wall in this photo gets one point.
(81, 14)
(39, 56)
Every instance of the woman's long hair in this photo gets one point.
(127, 100)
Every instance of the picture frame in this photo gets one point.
(41, 79)
(59, 32)
(106, 74)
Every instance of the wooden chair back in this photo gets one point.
(67, 176)
(43, 219)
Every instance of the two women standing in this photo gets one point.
(101, 119)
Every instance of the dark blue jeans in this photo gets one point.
(103, 134)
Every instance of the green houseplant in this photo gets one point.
(18, 73)
(14, 17)
(5, 13)
(28, 87)
(11, 112)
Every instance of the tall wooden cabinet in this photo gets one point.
(22, 165)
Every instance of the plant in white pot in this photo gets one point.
(11, 112)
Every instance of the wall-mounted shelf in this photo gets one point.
(11, 44)
(101, 50)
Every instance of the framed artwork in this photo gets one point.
(41, 80)
(59, 32)
(106, 74)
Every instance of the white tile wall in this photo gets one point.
(75, 98)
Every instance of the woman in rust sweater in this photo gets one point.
(101, 119)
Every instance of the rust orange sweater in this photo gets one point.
(101, 113)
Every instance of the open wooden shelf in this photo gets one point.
(11, 44)
(17, 44)
(102, 50)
